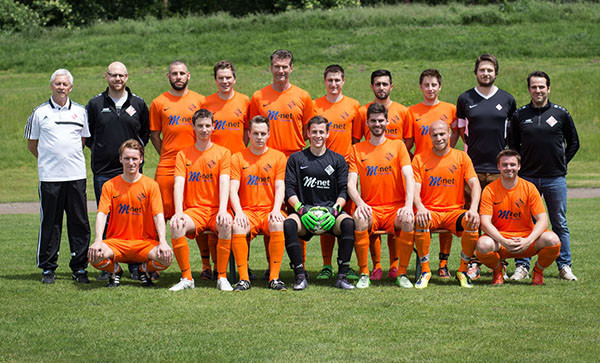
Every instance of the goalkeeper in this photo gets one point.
(315, 186)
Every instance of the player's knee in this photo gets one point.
(275, 226)
(290, 226)
(550, 239)
(360, 223)
(485, 245)
(100, 263)
(347, 227)
(237, 229)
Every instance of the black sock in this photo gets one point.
(292, 245)
(345, 245)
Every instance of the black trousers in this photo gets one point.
(56, 198)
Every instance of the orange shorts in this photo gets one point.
(446, 220)
(383, 217)
(259, 222)
(204, 218)
(165, 184)
(130, 250)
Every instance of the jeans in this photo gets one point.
(554, 191)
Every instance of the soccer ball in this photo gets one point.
(317, 212)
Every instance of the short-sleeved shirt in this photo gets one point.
(512, 209)
(257, 175)
(288, 112)
(380, 171)
(201, 170)
(442, 178)
(172, 116)
(424, 116)
(230, 118)
(59, 131)
(399, 128)
(485, 121)
(341, 116)
(132, 207)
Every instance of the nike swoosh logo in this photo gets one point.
(166, 108)
(496, 203)
(188, 164)
(363, 160)
(266, 104)
(471, 106)
(428, 169)
(116, 196)
(304, 167)
(245, 167)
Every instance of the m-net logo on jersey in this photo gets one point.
(127, 209)
(424, 130)
(508, 215)
(200, 177)
(438, 181)
(227, 125)
(337, 127)
(177, 120)
(275, 115)
(314, 183)
(374, 170)
(255, 180)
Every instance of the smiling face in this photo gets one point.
(281, 69)
(377, 124)
(61, 87)
(440, 135)
(131, 160)
(334, 81)
(486, 74)
(509, 167)
(430, 86)
(225, 80)
(116, 76)
(203, 127)
(318, 134)
(538, 89)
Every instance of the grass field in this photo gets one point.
(515, 322)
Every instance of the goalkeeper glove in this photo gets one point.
(308, 219)
(328, 219)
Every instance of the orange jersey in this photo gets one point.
(201, 170)
(400, 127)
(341, 116)
(172, 116)
(443, 178)
(132, 207)
(380, 171)
(512, 210)
(424, 116)
(257, 175)
(288, 112)
(231, 120)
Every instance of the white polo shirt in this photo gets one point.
(59, 131)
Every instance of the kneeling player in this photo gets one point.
(201, 193)
(507, 207)
(256, 195)
(136, 230)
(317, 177)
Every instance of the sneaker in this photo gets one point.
(473, 271)
(277, 284)
(521, 273)
(351, 275)
(393, 273)
(81, 277)
(423, 280)
(444, 273)
(464, 280)
(223, 284)
(48, 277)
(154, 275)
(242, 285)
(403, 281)
(363, 281)
(300, 283)
(206, 274)
(565, 273)
(134, 271)
(498, 277)
(326, 273)
(214, 275)
(343, 283)
(267, 275)
(114, 279)
(183, 284)
(251, 275)
(104, 275)
(376, 274)
(145, 278)
(537, 278)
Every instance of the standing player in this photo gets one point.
(515, 222)
(136, 229)
(440, 174)
(425, 113)
(400, 121)
(317, 177)
(201, 194)
(544, 126)
(483, 112)
(256, 194)
(386, 193)
(55, 133)
(340, 111)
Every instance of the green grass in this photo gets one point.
(69, 322)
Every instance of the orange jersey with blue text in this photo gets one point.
(380, 171)
(230, 119)
(424, 116)
(288, 112)
(172, 116)
(201, 170)
(341, 116)
(400, 126)
(442, 179)
(257, 175)
(132, 207)
(512, 210)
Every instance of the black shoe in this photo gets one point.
(277, 284)
(48, 277)
(300, 283)
(154, 275)
(103, 276)
(267, 274)
(145, 279)
(214, 276)
(115, 279)
(343, 283)
(134, 271)
(242, 285)
(251, 274)
(81, 276)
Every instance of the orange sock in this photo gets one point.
(491, 259)
(423, 243)
(445, 242)
(223, 251)
(404, 245)
(266, 242)
(375, 248)
(152, 266)
(212, 245)
(547, 255)
(239, 246)
(303, 243)
(107, 265)
(181, 249)
(327, 244)
(361, 245)
(202, 242)
(391, 241)
(276, 248)
(468, 242)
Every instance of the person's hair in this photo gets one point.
(282, 54)
(176, 63)
(381, 73)
(334, 68)
(507, 153)
(486, 57)
(376, 108)
(258, 119)
(202, 113)
(131, 144)
(431, 73)
(538, 74)
(318, 120)
(61, 72)
(224, 64)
